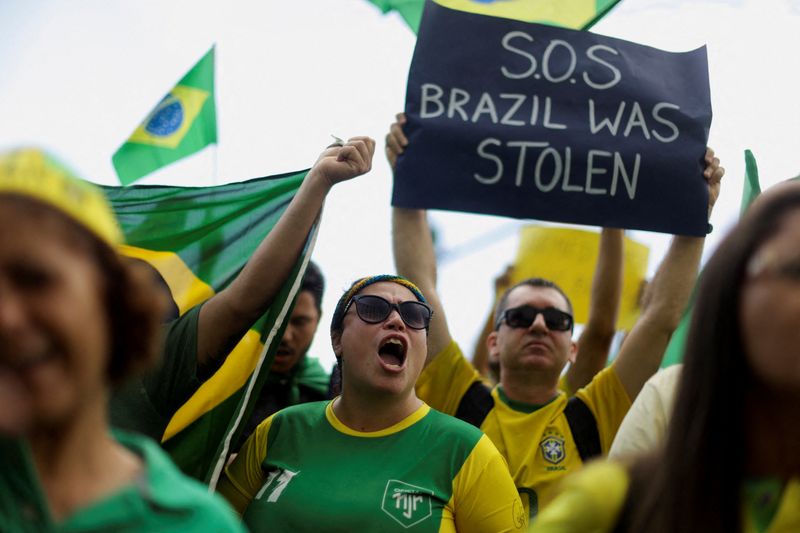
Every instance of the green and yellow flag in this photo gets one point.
(183, 122)
(198, 239)
(575, 14)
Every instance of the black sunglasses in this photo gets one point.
(374, 309)
(524, 316)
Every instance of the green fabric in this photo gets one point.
(677, 343)
(308, 372)
(135, 158)
(752, 187)
(762, 497)
(411, 11)
(311, 374)
(214, 231)
(348, 480)
(161, 500)
(522, 406)
(146, 404)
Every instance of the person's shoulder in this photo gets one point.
(666, 380)
(207, 511)
(307, 413)
(185, 502)
(452, 428)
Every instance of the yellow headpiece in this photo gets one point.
(32, 173)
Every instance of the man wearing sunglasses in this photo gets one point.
(542, 434)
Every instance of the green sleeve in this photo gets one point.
(146, 404)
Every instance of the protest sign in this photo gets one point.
(532, 121)
(568, 257)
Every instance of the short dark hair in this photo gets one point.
(541, 283)
(314, 283)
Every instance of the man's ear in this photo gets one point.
(336, 343)
(492, 347)
(573, 352)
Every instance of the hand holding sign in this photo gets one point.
(713, 174)
(531, 121)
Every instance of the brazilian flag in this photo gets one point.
(575, 14)
(198, 239)
(752, 188)
(183, 122)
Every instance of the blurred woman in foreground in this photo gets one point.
(375, 458)
(731, 461)
(76, 319)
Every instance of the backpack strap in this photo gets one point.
(475, 404)
(584, 428)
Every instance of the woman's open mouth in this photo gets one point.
(392, 354)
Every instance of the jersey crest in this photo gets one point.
(552, 446)
(407, 504)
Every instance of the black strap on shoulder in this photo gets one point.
(584, 428)
(475, 404)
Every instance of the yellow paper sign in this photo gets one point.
(568, 257)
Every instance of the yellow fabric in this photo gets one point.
(482, 498)
(444, 381)
(563, 385)
(186, 288)
(645, 425)
(238, 367)
(578, 13)
(243, 478)
(787, 519)
(599, 493)
(589, 502)
(30, 172)
(522, 438)
(408, 421)
(569, 257)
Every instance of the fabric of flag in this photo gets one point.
(752, 188)
(575, 14)
(198, 239)
(183, 122)
(410, 10)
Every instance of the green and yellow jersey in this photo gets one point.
(600, 491)
(535, 440)
(303, 470)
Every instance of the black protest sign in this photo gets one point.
(532, 121)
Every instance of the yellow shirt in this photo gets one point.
(537, 444)
(599, 493)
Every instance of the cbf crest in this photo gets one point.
(407, 504)
(552, 446)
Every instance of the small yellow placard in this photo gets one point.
(568, 257)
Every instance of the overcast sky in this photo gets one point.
(79, 75)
